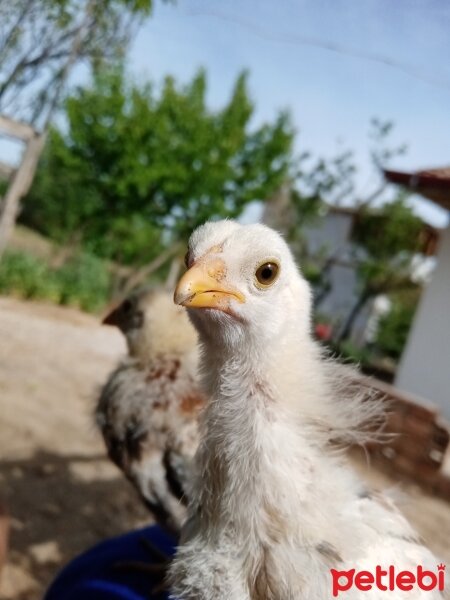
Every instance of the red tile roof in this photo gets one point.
(433, 184)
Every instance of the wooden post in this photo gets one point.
(138, 277)
(6, 171)
(19, 186)
(16, 129)
(23, 176)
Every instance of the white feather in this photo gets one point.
(274, 508)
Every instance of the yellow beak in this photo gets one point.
(202, 287)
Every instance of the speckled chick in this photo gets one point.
(148, 409)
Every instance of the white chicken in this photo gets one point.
(275, 509)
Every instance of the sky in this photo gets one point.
(334, 64)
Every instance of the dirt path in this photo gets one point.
(62, 493)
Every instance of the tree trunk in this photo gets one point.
(23, 176)
(139, 276)
(173, 274)
(19, 186)
(348, 325)
(66, 251)
(17, 129)
(326, 286)
(323, 292)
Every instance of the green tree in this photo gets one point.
(39, 39)
(40, 43)
(394, 327)
(136, 169)
(386, 233)
(385, 240)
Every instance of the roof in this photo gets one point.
(429, 235)
(351, 211)
(433, 184)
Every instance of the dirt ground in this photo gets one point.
(61, 491)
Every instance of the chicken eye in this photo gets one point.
(127, 306)
(266, 274)
(186, 260)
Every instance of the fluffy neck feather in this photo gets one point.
(250, 412)
(272, 413)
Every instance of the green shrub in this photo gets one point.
(394, 328)
(350, 351)
(83, 281)
(26, 276)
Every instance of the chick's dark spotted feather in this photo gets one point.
(148, 408)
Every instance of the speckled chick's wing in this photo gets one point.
(148, 418)
(148, 408)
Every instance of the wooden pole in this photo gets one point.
(18, 187)
(138, 277)
(16, 129)
(21, 180)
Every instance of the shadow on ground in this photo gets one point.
(60, 506)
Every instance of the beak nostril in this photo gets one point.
(202, 286)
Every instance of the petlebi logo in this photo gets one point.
(387, 579)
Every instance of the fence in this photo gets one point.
(420, 446)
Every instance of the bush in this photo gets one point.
(26, 276)
(393, 329)
(350, 351)
(83, 281)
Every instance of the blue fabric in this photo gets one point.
(92, 576)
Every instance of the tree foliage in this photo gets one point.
(137, 167)
(385, 235)
(395, 326)
(385, 241)
(84, 280)
(40, 38)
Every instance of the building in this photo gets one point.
(334, 237)
(331, 246)
(425, 366)
(329, 241)
(331, 237)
